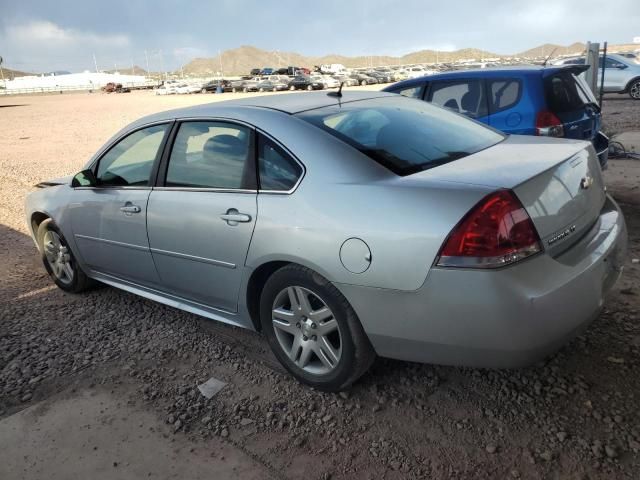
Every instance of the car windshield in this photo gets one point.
(404, 135)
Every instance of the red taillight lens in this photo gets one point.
(496, 232)
(548, 125)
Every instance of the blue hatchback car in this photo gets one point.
(550, 101)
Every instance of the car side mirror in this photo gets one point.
(620, 66)
(85, 178)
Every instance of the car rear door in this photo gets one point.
(466, 96)
(109, 219)
(506, 113)
(202, 213)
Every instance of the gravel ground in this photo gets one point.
(574, 416)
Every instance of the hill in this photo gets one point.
(10, 74)
(241, 60)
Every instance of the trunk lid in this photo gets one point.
(559, 182)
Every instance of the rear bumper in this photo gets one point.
(601, 145)
(502, 318)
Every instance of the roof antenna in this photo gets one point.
(338, 93)
(550, 55)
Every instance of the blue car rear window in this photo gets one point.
(404, 135)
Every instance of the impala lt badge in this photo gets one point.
(586, 182)
(562, 235)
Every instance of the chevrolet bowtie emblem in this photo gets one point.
(586, 182)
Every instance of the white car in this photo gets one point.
(185, 88)
(166, 90)
(330, 82)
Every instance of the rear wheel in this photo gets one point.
(634, 90)
(363, 83)
(204, 90)
(309, 87)
(234, 90)
(274, 89)
(261, 89)
(313, 330)
(292, 88)
(58, 259)
(245, 89)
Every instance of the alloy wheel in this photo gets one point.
(634, 91)
(58, 257)
(306, 330)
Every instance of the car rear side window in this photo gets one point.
(130, 161)
(277, 169)
(504, 93)
(212, 155)
(403, 135)
(411, 92)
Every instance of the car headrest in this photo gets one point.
(226, 145)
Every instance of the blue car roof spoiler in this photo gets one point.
(575, 69)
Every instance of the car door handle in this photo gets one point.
(233, 217)
(129, 209)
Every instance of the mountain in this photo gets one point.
(241, 60)
(10, 74)
(546, 50)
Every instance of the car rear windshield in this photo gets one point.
(402, 134)
(567, 92)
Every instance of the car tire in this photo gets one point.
(245, 89)
(634, 90)
(309, 87)
(274, 89)
(261, 89)
(292, 88)
(363, 83)
(344, 351)
(61, 264)
(204, 90)
(233, 90)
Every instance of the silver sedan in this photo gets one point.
(342, 226)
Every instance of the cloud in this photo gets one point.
(48, 34)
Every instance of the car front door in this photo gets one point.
(615, 76)
(109, 219)
(203, 211)
(466, 96)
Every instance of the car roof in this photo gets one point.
(519, 70)
(290, 103)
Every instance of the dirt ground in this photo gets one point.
(104, 385)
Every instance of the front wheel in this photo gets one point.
(634, 90)
(292, 88)
(58, 259)
(312, 329)
(363, 83)
(309, 87)
(204, 90)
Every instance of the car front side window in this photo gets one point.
(130, 161)
(212, 155)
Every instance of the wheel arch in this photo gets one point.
(36, 219)
(255, 285)
(631, 82)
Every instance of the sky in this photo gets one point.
(48, 35)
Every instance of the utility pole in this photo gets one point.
(132, 69)
(220, 58)
(2, 73)
(146, 58)
(95, 62)
(162, 65)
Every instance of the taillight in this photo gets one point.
(496, 232)
(548, 125)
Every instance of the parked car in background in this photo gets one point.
(271, 86)
(544, 101)
(380, 76)
(621, 73)
(267, 71)
(364, 79)
(417, 72)
(186, 88)
(305, 82)
(347, 80)
(344, 228)
(255, 71)
(166, 89)
(250, 85)
(328, 81)
(290, 71)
